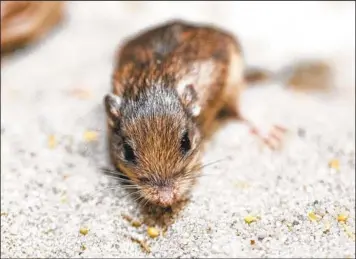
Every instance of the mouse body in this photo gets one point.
(170, 85)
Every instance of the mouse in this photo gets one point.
(170, 84)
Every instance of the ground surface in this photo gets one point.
(47, 195)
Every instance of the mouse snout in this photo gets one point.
(165, 196)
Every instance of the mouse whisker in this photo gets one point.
(145, 202)
(111, 171)
(139, 199)
(129, 194)
(188, 175)
(122, 188)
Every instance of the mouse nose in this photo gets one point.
(165, 196)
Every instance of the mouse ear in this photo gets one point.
(189, 98)
(112, 104)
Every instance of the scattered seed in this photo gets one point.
(290, 226)
(83, 247)
(252, 242)
(334, 164)
(249, 219)
(136, 223)
(90, 136)
(242, 185)
(313, 217)
(52, 141)
(153, 232)
(83, 231)
(342, 218)
(81, 93)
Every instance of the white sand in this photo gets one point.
(45, 211)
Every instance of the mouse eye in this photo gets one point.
(129, 153)
(185, 143)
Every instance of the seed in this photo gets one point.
(136, 223)
(52, 141)
(313, 217)
(342, 218)
(81, 93)
(152, 232)
(249, 219)
(83, 231)
(242, 185)
(90, 136)
(334, 163)
(252, 242)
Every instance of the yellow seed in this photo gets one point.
(83, 247)
(242, 185)
(334, 163)
(289, 226)
(90, 136)
(83, 231)
(153, 232)
(342, 218)
(136, 223)
(52, 141)
(249, 219)
(81, 93)
(313, 217)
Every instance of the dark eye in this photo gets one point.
(129, 153)
(185, 143)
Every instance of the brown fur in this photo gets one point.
(153, 65)
(185, 44)
(163, 77)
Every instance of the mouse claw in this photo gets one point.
(274, 138)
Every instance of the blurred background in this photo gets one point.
(59, 69)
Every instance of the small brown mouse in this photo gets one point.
(170, 84)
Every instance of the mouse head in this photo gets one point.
(155, 141)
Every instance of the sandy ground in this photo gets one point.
(47, 194)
